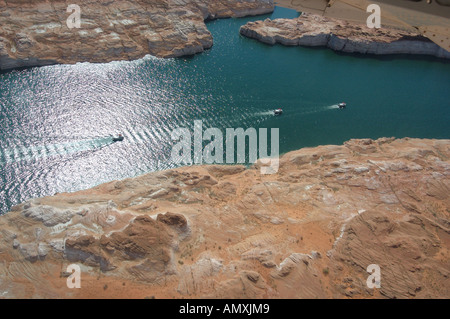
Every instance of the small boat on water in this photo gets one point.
(342, 105)
(118, 139)
(278, 112)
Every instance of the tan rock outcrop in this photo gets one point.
(35, 33)
(311, 230)
(340, 35)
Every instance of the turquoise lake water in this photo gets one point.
(55, 121)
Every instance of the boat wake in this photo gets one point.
(249, 118)
(262, 114)
(300, 111)
(29, 153)
(312, 110)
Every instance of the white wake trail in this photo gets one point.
(28, 153)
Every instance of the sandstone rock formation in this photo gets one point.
(35, 33)
(339, 35)
(311, 230)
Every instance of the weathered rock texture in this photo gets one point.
(339, 35)
(35, 32)
(311, 230)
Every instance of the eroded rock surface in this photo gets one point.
(311, 230)
(35, 33)
(339, 35)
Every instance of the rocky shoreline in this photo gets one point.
(309, 231)
(339, 35)
(36, 33)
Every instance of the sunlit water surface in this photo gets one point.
(56, 121)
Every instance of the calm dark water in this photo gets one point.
(55, 121)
